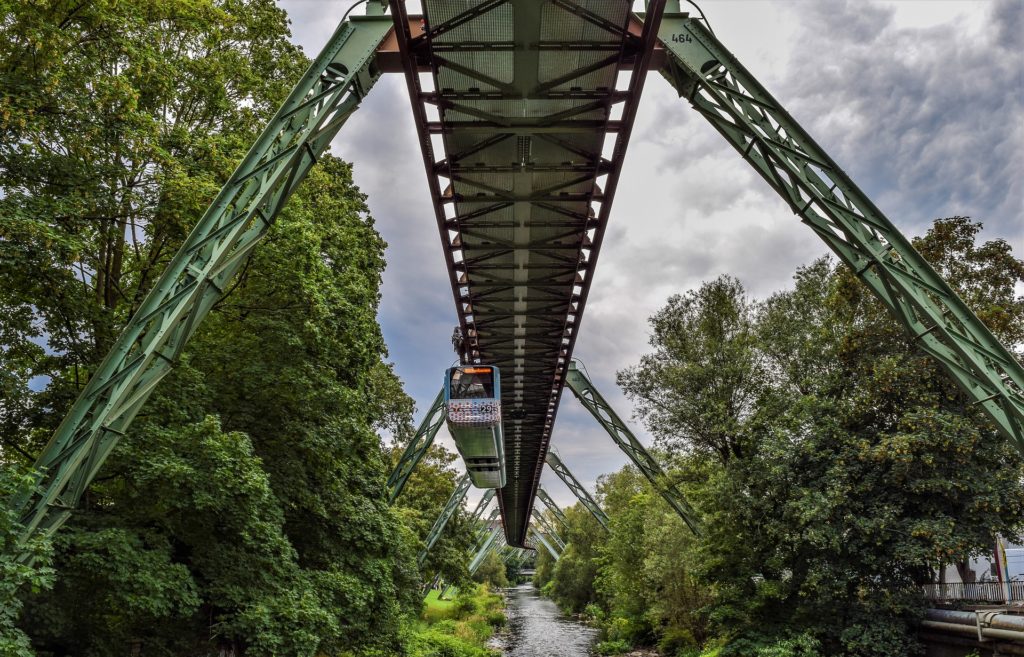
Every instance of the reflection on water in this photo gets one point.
(536, 628)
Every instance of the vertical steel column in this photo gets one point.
(218, 247)
(453, 504)
(567, 477)
(624, 438)
(552, 507)
(826, 199)
(417, 447)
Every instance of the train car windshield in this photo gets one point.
(472, 383)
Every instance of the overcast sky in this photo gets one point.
(920, 101)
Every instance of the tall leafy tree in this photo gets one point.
(245, 509)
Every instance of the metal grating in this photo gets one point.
(524, 90)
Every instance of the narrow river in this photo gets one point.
(536, 628)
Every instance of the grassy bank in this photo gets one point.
(459, 627)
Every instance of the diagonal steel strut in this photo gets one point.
(417, 447)
(826, 199)
(450, 507)
(219, 245)
(594, 402)
(577, 488)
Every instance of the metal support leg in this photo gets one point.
(218, 247)
(552, 507)
(482, 553)
(539, 537)
(624, 438)
(453, 504)
(826, 199)
(481, 506)
(548, 530)
(417, 447)
(577, 488)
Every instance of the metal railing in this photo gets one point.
(975, 591)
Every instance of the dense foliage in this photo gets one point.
(836, 469)
(245, 511)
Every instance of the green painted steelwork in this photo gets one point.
(581, 493)
(539, 537)
(551, 506)
(704, 72)
(451, 506)
(588, 395)
(481, 506)
(417, 447)
(218, 247)
(481, 554)
(543, 523)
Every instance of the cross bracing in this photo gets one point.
(524, 95)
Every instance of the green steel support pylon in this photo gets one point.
(704, 72)
(588, 395)
(539, 537)
(417, 447)
(485, 527)
(543, 523)
(481, 553)
(450, 507)
(481, 506)
(552, 507)
(577, 488)
(196, 278)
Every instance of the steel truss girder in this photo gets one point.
(552, 507)
(481, 506)
(489, 544)
(218, 247)
(417, 447)
(540, 538)
(827, 200)
(594, 402)
(451, 506)
(574, 485)
(543, 523)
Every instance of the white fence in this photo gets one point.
(975, 591)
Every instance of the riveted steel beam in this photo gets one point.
(218, 247)
(450, 507)
(552, 507)
(574, 485)
(543, 523)
(621, 434)
(540, 538)
(827, 200)
(417, 447)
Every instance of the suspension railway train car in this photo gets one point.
(472, 395)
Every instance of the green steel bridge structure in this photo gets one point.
(523, 110)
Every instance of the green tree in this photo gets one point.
(245, 509)
(860, 470)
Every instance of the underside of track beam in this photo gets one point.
(522, 96)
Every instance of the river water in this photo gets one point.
(536, 628)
